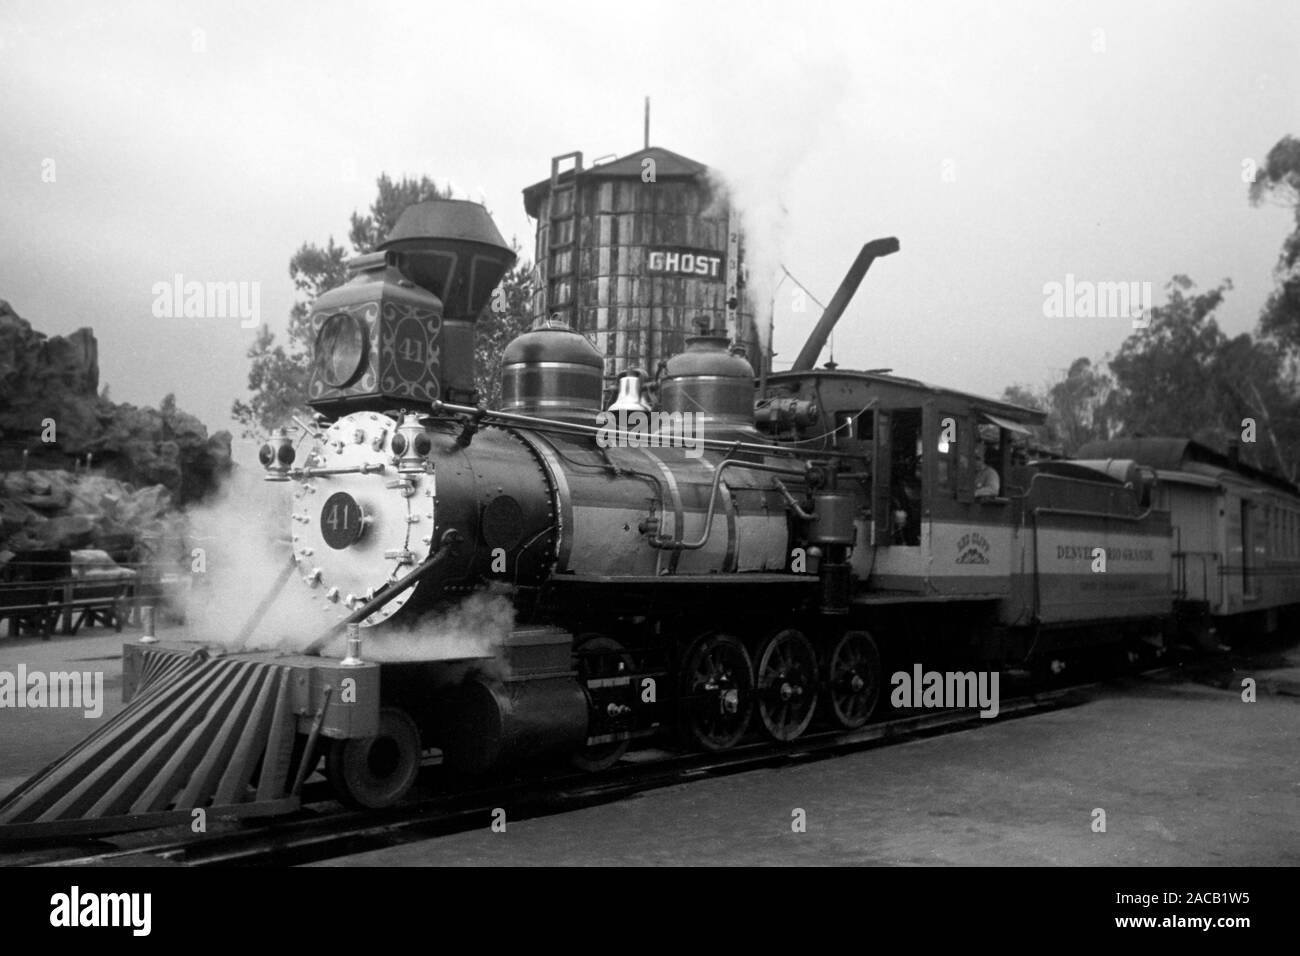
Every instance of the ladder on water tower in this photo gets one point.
(562, 246)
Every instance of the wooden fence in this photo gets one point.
(44, 595)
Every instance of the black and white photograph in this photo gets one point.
(699, 435)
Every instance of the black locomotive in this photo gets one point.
(695, 557)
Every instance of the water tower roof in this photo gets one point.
(668, 165)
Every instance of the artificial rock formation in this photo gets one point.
(113, 471)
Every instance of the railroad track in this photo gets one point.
(322, 830)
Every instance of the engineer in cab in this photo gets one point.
(988, 484)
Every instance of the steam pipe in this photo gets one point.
(676, 544)
(789, 500)
(449, 542)
(265, 605)
(852, 279)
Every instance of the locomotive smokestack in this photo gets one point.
(843, 295)
(452, 248)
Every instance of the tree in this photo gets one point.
(1165, 381)
(279, 373)
(506, 315)
(1080, 405)
(1255, 391)
(1277, 399)
(1045, 436)
(1279, 183)
(1025, 397)
(368, 232)
(1077, 407)
(1182, 376)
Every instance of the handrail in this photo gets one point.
(675, 544)
(1077, 513)
(775, 449)
(1049, 478)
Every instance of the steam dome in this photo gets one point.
(552, 371)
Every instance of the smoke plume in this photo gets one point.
(777, 119)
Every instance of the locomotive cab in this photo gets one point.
(912, 448)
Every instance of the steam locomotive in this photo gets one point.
(746, 581)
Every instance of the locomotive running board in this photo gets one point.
(199, 733)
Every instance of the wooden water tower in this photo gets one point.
(636, 253)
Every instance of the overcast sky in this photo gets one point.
(1006, 145)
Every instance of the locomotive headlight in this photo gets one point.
(398, 444)
(341, 349)
(266, 455)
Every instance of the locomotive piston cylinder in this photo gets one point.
(492, 724)
(538, 712)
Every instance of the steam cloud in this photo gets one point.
(777, 119)
(245, 540)
(475, 627)
(244, 537)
